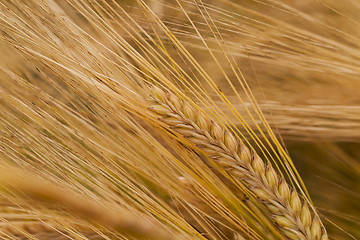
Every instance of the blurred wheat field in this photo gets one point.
(179, 119)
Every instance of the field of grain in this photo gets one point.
(180, 119)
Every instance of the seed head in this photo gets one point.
(258, 166)
(295, 203)
(284, 190)
(217, 132)
(189, 112)
(315, 229)
(174, 101)
(231, 142)
(305, 216)
(203, 122)
(271, 177)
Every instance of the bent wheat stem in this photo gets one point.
(122, 222)
(288, 211)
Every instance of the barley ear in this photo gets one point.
(288, 210)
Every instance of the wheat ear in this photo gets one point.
(289, 212)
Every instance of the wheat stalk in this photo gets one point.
(124, 222)
(290, 213)
(40, 230)
(33, 228)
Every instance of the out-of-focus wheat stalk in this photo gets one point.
(123, 222)
(311, 123)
